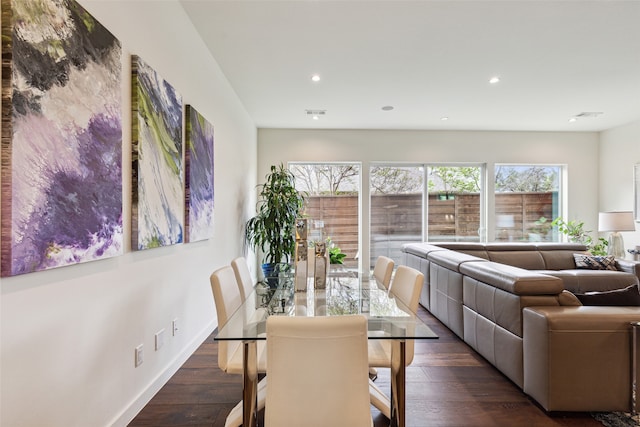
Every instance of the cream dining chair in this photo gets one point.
(317, 369)
(243, 277)
(406, 286)
(227, 299)
(383, 269)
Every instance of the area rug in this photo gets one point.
(617, 419)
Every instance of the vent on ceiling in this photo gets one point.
(589, 114)
(316, 112)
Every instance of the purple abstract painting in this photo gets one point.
(157, 207)
(199, 177)
(61, 142)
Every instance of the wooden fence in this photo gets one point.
(397, 219)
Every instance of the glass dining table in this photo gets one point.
(344, 294)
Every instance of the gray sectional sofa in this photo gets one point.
(506, 300)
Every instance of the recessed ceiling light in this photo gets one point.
(444, 119)
(573, 119)
(387, 108)
(315, 78)
(495, 79)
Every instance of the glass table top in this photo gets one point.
(344, 295)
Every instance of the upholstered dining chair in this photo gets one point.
(243, 276)
(383, 269)
(406, 286)
(317, 369)
(227, 299)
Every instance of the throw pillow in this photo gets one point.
(567, 298)
(594, 262)
(629, 296)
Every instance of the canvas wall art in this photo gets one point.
(158, 183)
(61, 142)
(198, 176)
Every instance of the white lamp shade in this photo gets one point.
(616, 221)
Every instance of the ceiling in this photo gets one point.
(428, 60)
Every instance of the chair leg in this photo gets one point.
(234, 419)
(379, 399)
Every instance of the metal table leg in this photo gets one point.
(398, 372)
(250, 384)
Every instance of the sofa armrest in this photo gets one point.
(578, 358)
(629, 266)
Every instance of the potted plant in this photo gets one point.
(336, 256)
(576, 233)
(272, 229)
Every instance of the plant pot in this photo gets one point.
(270, 272)
(276, 272)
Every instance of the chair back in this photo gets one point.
(383, 269)
(406, 286)
(226, 296)
(318, 372)
(243, 276)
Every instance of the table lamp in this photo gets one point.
(616, 222)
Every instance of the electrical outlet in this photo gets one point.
(159, 339)
(139, 358)
(175, 327)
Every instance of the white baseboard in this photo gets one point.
(130, 412)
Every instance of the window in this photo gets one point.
(454, 212)
(396, 209)
(526, 202)
(332, 203)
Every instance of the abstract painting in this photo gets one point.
(199, 177)
(158, 185)
(61, 142)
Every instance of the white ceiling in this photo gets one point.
(428, 59)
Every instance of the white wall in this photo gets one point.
(577, 150)
(619, 152)
(68, 335)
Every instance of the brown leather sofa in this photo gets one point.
(506, 301)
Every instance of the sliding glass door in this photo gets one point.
(332, 204)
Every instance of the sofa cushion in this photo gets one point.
(452, 259)
(595, 262)
(512, 279)
(469, 248)
(558, 259)
(628, 296)
(582, 281)
(529, 260)
(420, 249)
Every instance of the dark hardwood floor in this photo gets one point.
(448, 384)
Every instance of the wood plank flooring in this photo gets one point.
(448, 385)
